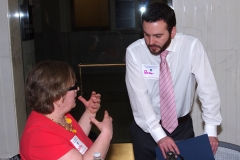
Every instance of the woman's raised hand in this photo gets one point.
(106, 125)
(93, 104)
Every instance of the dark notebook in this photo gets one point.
(197, 148)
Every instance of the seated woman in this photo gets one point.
(51, 132)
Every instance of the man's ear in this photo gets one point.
(173, 32)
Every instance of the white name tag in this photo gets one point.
(150, 71)
(79, 145)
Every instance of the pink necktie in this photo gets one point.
(167, 100)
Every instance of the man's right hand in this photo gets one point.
(167, 144)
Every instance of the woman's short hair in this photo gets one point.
(47, 82)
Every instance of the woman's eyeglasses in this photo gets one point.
(75, 87)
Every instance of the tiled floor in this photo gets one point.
(114, 99)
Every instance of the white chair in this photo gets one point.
(227, 151)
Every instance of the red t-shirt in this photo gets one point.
(44, 139)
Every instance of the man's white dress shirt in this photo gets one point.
(188, 63)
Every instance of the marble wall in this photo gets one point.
(12, 99)
(216, 23)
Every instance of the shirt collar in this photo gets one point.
(171, 48)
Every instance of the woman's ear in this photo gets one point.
(58, 103)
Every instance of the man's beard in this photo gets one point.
(163, 48)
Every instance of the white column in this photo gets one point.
(12, 99)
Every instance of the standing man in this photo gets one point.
(157, 85)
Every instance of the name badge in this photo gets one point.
(79, 145)
(150, 71)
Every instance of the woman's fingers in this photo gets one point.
(83, 100)
(94, 121)
(106, 124)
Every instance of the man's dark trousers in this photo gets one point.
(144, 145)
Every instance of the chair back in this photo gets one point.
(227, 151)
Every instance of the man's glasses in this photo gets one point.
(75, 87)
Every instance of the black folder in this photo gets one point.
(197, 148)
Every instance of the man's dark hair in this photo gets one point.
(160, 11)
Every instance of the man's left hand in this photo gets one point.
(214, 143)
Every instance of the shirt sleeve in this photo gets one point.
(47, 141)
(206, 89)
(142, 109)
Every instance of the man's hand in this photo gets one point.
(214, 143)
(93, 104)
(167, 144)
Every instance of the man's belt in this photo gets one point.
(181, 119)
